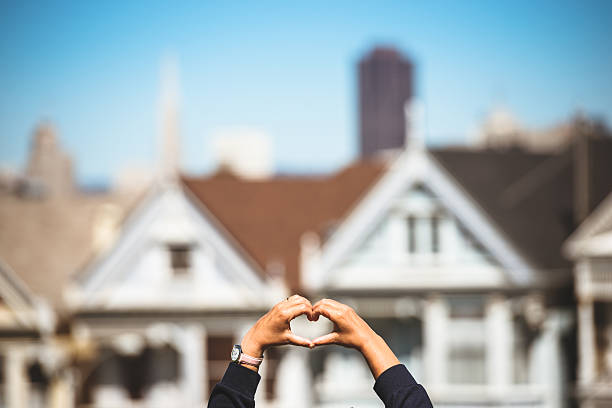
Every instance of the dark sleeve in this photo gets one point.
(398, 389)
(236, 389)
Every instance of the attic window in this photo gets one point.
(411, 234)
(423, 234)
(180, 258)
(435, 234)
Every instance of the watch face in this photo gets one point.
(235, 353)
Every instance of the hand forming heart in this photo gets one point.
(350, 330)
(273, 328)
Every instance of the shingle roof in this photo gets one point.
(268, 217)
(530, 197)
(527, 196)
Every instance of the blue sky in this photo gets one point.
(287, 68)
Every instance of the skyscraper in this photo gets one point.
(385, 84)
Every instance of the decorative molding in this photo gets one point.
(415, 166)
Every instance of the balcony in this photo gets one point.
(594, 279)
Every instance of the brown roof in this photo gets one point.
(45, 241)
(268, 217)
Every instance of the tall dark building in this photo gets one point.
(385, 84)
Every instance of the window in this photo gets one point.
(272, 358)
(467, 339)
(435, 234)
(411, 234)
(466, 364)
(218, 349)
(180, 258)
(423, 234)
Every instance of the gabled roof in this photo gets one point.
(528, 196)
(531, 197)
(599, 223)
(25, 309)
(125, 278)
(416, 167)
(268, 217)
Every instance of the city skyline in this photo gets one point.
(288, 72)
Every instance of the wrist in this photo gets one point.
(378, 355)
(251, 347)
(368, 340)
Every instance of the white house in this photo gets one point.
(591, 249)
(453, 255)
(460, 302)
(27, 352)
(163, 306)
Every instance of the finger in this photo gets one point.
(329, 302)
(297, 299)
(290, 302)
(292, 312)
(329, 338)
(299, 341)
(327, 310)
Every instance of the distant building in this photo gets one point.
(500, 130)
(49, 167)
(243, 151)
(385, 84)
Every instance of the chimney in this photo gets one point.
(415, 130)
(582, 171)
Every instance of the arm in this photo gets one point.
(238, 386)
(394, 384)
(236, 389)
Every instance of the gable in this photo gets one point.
(594, 236)
(172, 254)
(20, 311)
(414, 183)
(268, 217)
(418, 243)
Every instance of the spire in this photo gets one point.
(414, 117)
(169, 121)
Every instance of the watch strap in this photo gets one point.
(249, 360)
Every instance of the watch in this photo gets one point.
(239, 357)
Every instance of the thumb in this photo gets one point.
(300, 341)
(330, 338)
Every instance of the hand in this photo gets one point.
(350, 330)
(273, 328)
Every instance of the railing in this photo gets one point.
(594, 281)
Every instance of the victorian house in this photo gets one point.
(591, 249)
(454, 255)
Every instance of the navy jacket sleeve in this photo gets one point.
(398, 389)
(236, 389)
(395, 387)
